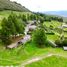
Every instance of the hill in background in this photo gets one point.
(59, 13)
(62, 14)
(9, 5)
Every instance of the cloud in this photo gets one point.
(44, 5)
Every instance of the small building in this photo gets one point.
(33, 27)
(65, 48)
(64, 26)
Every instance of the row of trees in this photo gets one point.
(49, 17)
(11, 27)
(28, 17)
(40, 16)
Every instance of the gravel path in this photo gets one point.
(35, 59)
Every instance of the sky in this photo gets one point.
(43, 5)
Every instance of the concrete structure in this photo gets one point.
(13, 45)
(25, 39)
(65, 48)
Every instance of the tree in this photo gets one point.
(28, 17)
(5, 27)
(5, 33)
(24, 18)
(21, 18)
(33, 17)
(10, 28)
(60, 19)
(17, 24)
(12, 19)
(39, 37)
(11, 25)
(20, 26)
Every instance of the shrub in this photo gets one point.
(64, 42)
(39, 37)
(61, 43)
(50, 33)
(58, 43)
(51, 27)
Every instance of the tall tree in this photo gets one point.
(39, 37)
(5, 32)
(20, 26)
(24, 18)
(11, 26)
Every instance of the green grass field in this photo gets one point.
(18, 55)
(53, 61)
(52, 37)
(53, 23)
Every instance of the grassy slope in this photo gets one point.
(18, 55)
(9, 5)
(6, 13)
(53, 61)
(52, 37)
(53, 23)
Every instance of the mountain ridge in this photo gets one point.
(9, 5)
(59, 13)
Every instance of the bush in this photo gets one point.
(64, 42)
(39, 37)
(61, 43)
(50, 33)
(51, 27)
(58, 43)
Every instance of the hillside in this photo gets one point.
(59, 13)
(9, 5)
